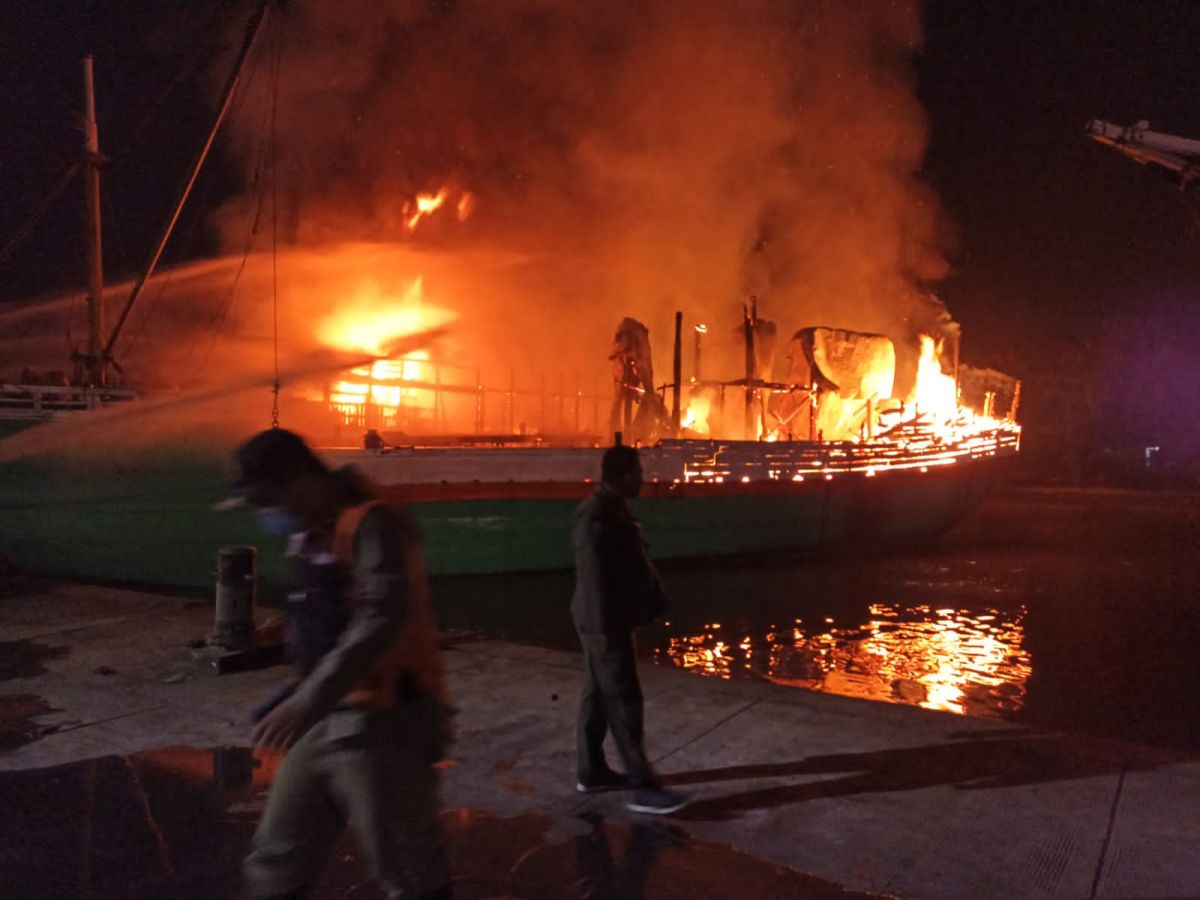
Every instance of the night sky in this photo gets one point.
(1055, 231)
(1059, 246)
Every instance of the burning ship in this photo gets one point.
(827, 458)
(857, 437)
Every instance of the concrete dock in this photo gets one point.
(797, 794)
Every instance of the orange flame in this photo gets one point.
(466, 203)
(370, 319)
(424, 205)
(935, 393)
(370, 322)
(696, 417)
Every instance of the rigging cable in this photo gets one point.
(184, 74)
(218, 319)
(259, 154)
(252, 31)
(40, 210)
(217, 324)
(275, 226)
(202, 54)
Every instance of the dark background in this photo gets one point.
(1073, 268)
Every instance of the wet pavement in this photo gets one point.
(109, 786)
(174, 823)
(24, 659)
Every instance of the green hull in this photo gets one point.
(148, 520)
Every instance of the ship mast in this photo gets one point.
(94, 361)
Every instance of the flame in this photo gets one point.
(466, 203)
(383, 386)
(935, 394)
(424, 205)
(370, 319)
(695, 419)
(378, 394)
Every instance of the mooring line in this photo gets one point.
(1112, 819)
(737, 712)
(711, 729)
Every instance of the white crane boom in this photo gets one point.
(1176, 154)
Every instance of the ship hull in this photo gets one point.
(149, 520)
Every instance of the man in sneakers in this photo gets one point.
(616, 590)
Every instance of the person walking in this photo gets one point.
(368, 718)
(616, 590)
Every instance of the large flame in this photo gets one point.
(371, 318)
(695, 419)
(935, 394)
(382, 394)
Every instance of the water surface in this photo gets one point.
(1064, 608)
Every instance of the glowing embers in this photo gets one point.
(930, 429)
(948, 659)
(382, 394)
(794, 461)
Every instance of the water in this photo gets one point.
(1061, 608)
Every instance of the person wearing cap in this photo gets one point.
(617, 589)
(367, 719)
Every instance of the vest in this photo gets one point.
(412, 665)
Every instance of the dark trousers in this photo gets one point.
(612, 699)
(373, 770)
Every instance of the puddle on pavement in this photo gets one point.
(17, 725)
(175, 823)
(26, 659)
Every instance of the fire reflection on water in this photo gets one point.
(960, 661)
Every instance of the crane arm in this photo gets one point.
(1176, 154)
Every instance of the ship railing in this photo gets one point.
(43, 401)
(550, 407)
(759, 460)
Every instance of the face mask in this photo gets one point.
(277, 520)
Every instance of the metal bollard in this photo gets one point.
(237, 580)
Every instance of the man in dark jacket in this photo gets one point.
(616, 590)
(364, 724)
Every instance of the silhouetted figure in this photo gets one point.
(633, 372)
(616, 589)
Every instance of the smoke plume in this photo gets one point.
(624, 158)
